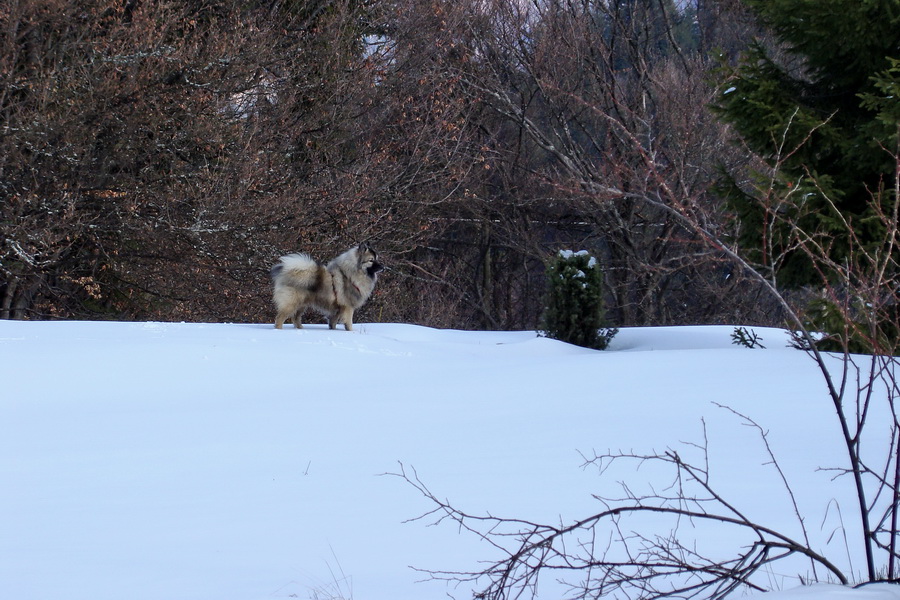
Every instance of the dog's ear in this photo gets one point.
(364, 246)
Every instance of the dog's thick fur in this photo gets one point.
(335, 289)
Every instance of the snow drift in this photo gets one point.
(237, 462)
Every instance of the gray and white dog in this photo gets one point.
(335, 290)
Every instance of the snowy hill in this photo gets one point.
(239, 462)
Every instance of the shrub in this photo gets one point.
(575, 311)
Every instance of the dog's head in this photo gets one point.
(368, 260)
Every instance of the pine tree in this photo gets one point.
(575, 310)
(824, 116)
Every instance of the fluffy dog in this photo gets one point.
(335, 289)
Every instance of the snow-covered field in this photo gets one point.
(238, 462)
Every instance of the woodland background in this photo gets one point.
(157, 157)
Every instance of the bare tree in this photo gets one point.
(156, 158)
(580, 97)
(644, 545)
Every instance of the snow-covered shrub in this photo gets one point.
(575, 311)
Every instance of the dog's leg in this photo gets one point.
(347, 318)
(286, 303)
(298, 319)
(336, 317)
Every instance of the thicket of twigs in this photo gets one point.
(157, 158)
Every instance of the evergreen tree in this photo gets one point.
(575, 310)
(824, 116)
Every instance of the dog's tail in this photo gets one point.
(299, 261)
(294, 262)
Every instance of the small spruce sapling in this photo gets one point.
(575, 311)
(741, 336)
